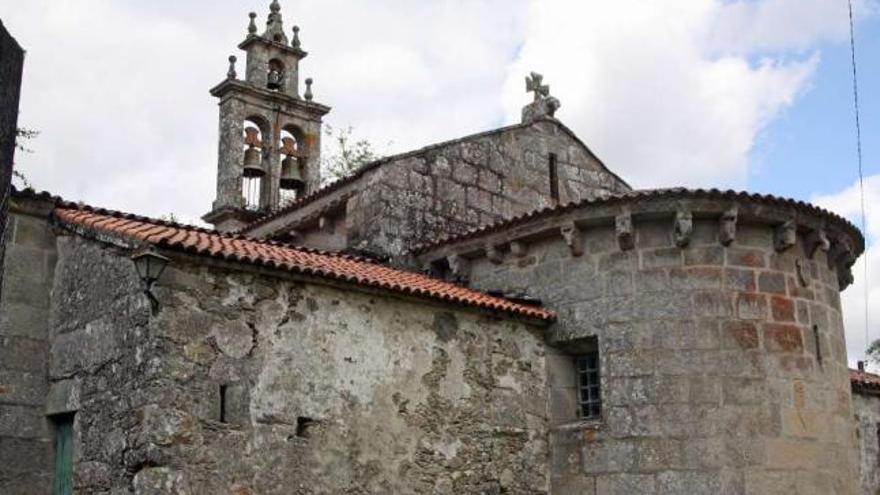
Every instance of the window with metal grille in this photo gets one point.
(588, 395)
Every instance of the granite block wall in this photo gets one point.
(866, 408)
(25, 433)
(723, 367)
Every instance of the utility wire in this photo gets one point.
(852, 47)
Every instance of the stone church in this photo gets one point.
(499, 313)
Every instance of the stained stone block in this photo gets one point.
(772, 282)
(625, 484)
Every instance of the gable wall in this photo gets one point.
(449, 189)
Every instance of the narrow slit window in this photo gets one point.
(554, 177)
(223, 403)
(817, 341)
(588, 390)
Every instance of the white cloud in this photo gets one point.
(665, 92)
(671, 93)
(847, 203)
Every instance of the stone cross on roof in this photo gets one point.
(533, 83)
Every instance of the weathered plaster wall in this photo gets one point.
(400, 397)
(711, 376)
(866, 407)
(25, 434)
(452, 187)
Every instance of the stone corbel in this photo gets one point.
(459, 267)
(840, 252)
(573, 239)
(323, 222)
(816, 239)
(727, 227)
(683, 228)
(623, 228)
(519, 249)
(493, 254)
(785, 236)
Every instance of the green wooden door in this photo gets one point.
(63, 455)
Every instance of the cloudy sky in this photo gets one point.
(748, 94)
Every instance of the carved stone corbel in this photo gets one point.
(683, 228)
(785, 236)
(519, 248)
(727, 226)
(816, 239)
(493, 254)
(572, 235)
(840, 252)
(623, 228)
(459, 267)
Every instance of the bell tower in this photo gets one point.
(270, 135)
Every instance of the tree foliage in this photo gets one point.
(347, 154)
(872, 353)
(23, 134)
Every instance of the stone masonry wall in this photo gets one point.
(713, 377)
(25, 434)
(11, 62)
(446, 189)
(866, 407)
(471, 182)
(244, 383)
(102, 364)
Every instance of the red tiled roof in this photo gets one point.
(177, 237)
(864, 380)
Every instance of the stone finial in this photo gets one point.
(623, 228)
(543, 105)
(785, 236)
(727, 226)
(533, 84)
(274, 24)
(572, 235)
(308, 94)
(295, 41)
(230, 74)
(816, 239)
(252, 26)
(459, 267)
(493, 254)
(683, 228)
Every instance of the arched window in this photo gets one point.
(275, 76)
(253, 166)
(292, 182)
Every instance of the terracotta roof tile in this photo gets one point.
(864, 380)
(173, 236)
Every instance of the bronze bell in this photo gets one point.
(253, 164)
(291, 177)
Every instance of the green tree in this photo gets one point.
(347, 154)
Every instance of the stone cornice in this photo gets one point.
(238, 87)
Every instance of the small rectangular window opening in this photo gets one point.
(554, 178)
(223, 403)
(816, 342)
(588, 396)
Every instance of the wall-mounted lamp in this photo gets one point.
(149, 265)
